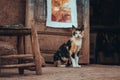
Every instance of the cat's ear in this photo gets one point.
(73, 27)
(82, 27)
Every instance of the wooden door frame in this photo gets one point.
(86, 22)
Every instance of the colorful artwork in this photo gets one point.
(61, 13)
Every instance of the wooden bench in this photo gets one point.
(21, 33)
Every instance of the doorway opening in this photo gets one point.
(104, 27)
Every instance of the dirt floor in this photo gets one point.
(86, 72)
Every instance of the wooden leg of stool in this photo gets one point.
(21, 69)
(0, 65)
(20, 50)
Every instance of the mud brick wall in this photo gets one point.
(12, 12)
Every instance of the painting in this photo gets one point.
(61, 13)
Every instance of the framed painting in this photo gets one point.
(61, 13)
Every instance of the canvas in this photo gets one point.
(61, 13)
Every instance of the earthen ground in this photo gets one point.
(86, 72)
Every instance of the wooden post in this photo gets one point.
(28, 21)
(36, 51)
(0, 64)
(20, 50)
(86, 23)
(29, 12)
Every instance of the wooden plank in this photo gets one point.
(14, 32)
(80, 12)
(29, 12)
(17, 65)
(39, 10)
(48, 51)
(52, 42)
(16, 56)
(86, 51)
(48, 57)
(28, 18)
(55, 33)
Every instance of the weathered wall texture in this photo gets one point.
(12, 12)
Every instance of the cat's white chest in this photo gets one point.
(77, 42)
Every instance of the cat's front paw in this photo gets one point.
(78, 66)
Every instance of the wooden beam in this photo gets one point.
(86, 23)
(16, 56)
(29, 12)
(17, 65)
(28, 19)
(54, 33)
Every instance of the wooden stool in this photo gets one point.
(20, 33)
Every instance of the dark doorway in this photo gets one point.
(104, 12)
(104, 27)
